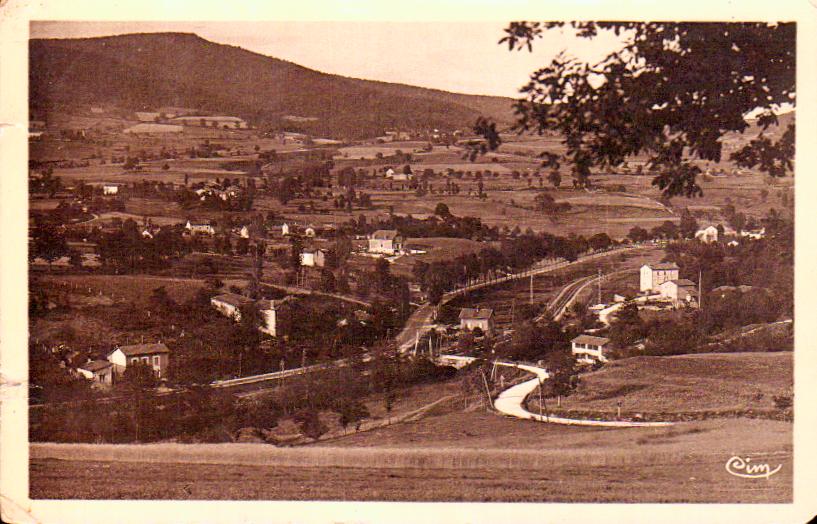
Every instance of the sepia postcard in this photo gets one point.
(449, 262)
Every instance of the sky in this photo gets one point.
(459, 57)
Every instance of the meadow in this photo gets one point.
(435, 459)
(708, 382)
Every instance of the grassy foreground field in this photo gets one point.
(687, 383)
(680, 464)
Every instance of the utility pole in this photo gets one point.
(700, 288)
(541, 405)
(513, 308)
(531, 289)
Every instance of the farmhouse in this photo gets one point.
(653, 275)
(100, 371)
(679, 291)
(386, 241)
(224, 122)
(146, 116)
(589, 349)
(754, 234)
(707, 235)
(110, 189)
(472, 318)
(156, 356)
(311, 257)
(200, 228)
(230, 304)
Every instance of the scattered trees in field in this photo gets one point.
(648, 81)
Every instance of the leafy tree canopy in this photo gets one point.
(671, 93)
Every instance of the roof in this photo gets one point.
(682, 282)
(146, 116)
(95, 365)
(144, 349)
(473, 313)
(232, 299)
(211, 118)
(663, 265)
(589, 339)
(385, 234)
(240, 300)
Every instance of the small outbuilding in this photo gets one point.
(472, 318)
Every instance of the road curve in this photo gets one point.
(511, 402)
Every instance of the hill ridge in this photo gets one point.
(148, 70)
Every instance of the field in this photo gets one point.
(686, 384)
(448, 461)
(470, 454)
(133, 289)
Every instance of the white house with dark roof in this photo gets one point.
(680, 291)
(472, 318)
(589, 349)
(200, 228)
(110, 189)
(653, 275)
(156, 356)
(99, 371)
(230, 304)
(311, 257)
(385, 241)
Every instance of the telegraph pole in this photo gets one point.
(700, 289)
(531, 289)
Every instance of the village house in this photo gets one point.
(472, 318)
(385, 241)
(223, 122)
(681, 291)
(707, 235)
(653, 275)
(146, 116)
(230, 304)
(284, 230)
(110, 189)
(200, 228)
(754, 234)
(156, 356)
(311, 257)
(402, 177)
(589, 349)
(99, 371)
(309, 231)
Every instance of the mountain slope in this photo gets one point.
(144, 71)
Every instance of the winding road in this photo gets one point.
(511, 402)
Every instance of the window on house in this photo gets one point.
(156, 360)
(134, 360)
(146, 360)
